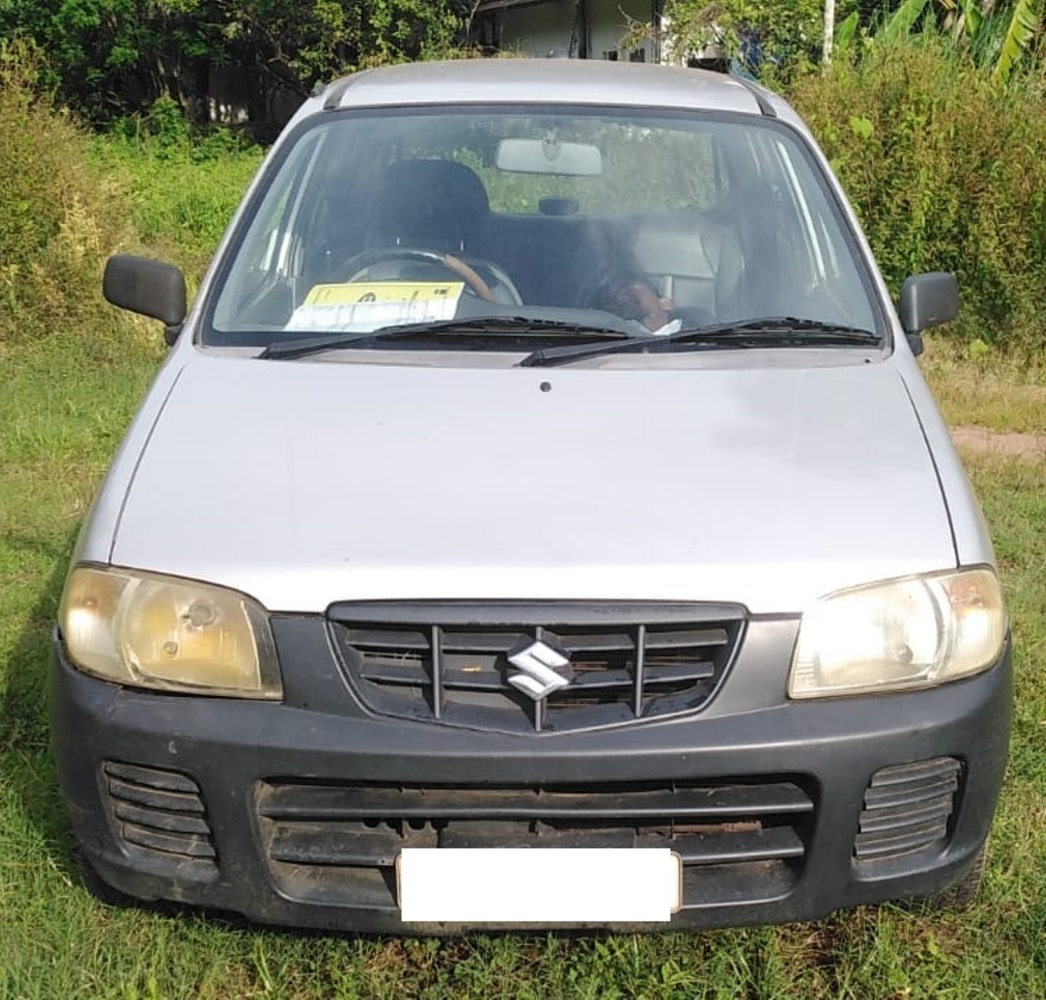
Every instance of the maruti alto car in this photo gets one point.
(540, 519)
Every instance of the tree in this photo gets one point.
(781, 30)
(110, 57)
(1001, 35)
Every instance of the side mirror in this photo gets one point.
(927, 300)
(148, 287)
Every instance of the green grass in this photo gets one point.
(64, 406)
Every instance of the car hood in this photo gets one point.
(303, 483)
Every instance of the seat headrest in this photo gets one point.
(428, 201)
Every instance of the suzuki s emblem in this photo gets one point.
(538, 663)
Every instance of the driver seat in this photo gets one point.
(430, 204)
(437, 205)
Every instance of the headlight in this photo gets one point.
(160, 632)
(911, 633)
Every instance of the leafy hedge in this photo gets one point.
(59, 216)
(947, 172)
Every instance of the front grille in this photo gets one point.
(160, 814)
(450, 662)
(338, 844)
(907, 809)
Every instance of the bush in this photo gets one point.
(59, 217)
(183, 192)
(947, 172)
(69, 199)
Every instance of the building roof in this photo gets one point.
(543, 81)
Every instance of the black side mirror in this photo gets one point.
(927, 300)
(148, 287)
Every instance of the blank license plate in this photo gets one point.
(528, 885)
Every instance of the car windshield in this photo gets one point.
(557, 224)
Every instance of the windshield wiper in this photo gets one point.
(776, 331)
(519, 326)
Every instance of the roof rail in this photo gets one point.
(337, 89)
(765, 107)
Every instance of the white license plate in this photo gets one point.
(539, 885)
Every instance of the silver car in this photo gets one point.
(540, 519)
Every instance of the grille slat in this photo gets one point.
(893, 796)
(451, 663)
(332, 802)
(150, 777)
(189, 847)
(907, 809)
(158, 820)
(896, 819)
(155, 798)
(914, 838)
(354, 849)
(465, 679)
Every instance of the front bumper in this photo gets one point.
(291, 813)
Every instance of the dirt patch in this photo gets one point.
(989, 442)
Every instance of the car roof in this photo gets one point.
(546, 81)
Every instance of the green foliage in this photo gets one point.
(902, 21)
(789, 33)
(167, 123)
(1023, 27)
(58, 216)
(1000, 35)
(846, 32)
(182, 192)
(979, 349)
(946, 171)
(112, 57)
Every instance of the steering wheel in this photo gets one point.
(468, 270)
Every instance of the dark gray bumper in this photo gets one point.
(289, 813)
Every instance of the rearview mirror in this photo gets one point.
(927, 300)
(148, 287)
(549, 156)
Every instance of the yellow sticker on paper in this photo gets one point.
(359, 306)
(355, 292)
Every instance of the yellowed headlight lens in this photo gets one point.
(155, 631)
(909, 633)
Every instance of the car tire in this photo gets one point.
(960, 895)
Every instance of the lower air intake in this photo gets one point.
(337, 844)
(907, 808)
(160, 814)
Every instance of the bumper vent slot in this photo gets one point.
(907, 808)
(339, 843)
(451, 664)
(160, 813)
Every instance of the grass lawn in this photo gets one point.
(63, 406)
